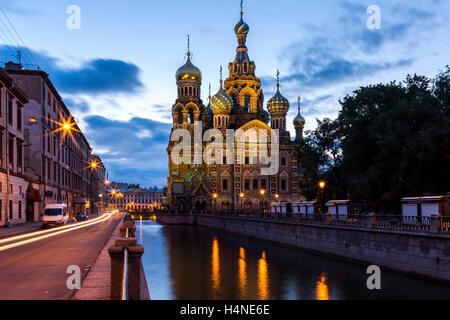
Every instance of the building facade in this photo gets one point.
(235, 181)
(13, 183)
(136, 199)
(57, 155)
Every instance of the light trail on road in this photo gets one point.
(32, 234)
(55, 232)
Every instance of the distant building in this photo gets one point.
(138, 199)
(13, 183)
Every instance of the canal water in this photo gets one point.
(197, 263)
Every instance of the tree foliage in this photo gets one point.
(389, 141)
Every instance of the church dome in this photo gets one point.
(241, 27)
(221, 102)
(299, 121)
(188, 71)
(278, 104)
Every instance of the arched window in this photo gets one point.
(191, 116)
(180, 116)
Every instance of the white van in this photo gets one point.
(55, 214)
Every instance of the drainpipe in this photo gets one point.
(44, 167)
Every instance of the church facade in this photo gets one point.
(235, 181)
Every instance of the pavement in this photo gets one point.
(37, 271)
(20, 229)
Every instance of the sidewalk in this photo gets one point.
(19, 229)
(97, 284)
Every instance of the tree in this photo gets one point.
(389, 141)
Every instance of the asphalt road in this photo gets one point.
(37, 271)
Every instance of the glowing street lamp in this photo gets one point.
(215, 202)
(322, 184)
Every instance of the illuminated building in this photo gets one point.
(238, 104)
(56, 152)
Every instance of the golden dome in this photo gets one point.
(188, 71)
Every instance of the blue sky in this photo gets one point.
(116, 73)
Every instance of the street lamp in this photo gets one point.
(262, 192)
(322, 185)
(241, 196)
(215, 202)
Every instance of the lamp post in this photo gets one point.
(241, 196)
(262, 192)
(215, 202)
(322, 185)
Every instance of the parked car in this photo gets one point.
(81, 216)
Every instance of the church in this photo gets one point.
(238, 105)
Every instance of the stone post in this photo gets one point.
(116, 254)
(435, 223)
(372, 220)
(329, 218)
(131, 229)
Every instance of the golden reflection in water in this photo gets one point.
(242, 274)
(322, 287)
(263, 277)
(215, 276)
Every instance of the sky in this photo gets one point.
(116, 73)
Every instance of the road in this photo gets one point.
(37, 270)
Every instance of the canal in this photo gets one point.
(197, 263)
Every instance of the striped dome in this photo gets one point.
(241, 27)
(221, 102)
(278, 104)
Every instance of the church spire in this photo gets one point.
(221, 81)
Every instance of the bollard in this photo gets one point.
(372, 220)
(329, 218)
(116, 254)
(131, 229)
(435, 223)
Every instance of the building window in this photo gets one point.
(283, 185)
(10, 110)
(19, 155)
(225, 184)
(263, 184)
(255, 184)
(11, 152)
(247, 160)
(247, 184)
(20, 209)
(283, 161)
(19, 117)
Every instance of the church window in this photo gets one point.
(247, 184)
(283, 184)
(283, 161)
(225, 184)
(255, 184)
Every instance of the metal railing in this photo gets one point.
(124, 294)
(372, 221)
(445, 224)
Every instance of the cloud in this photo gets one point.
(91, 77)
(76, 104)
(133, 151)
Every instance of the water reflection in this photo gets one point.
(322, 287)
(242, 274)
(263, 277)
(187, 262)
(215, 262)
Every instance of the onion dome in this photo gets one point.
(278, 103)
(241, 27)
(188, 71)
(221, 102)
(299, 121)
